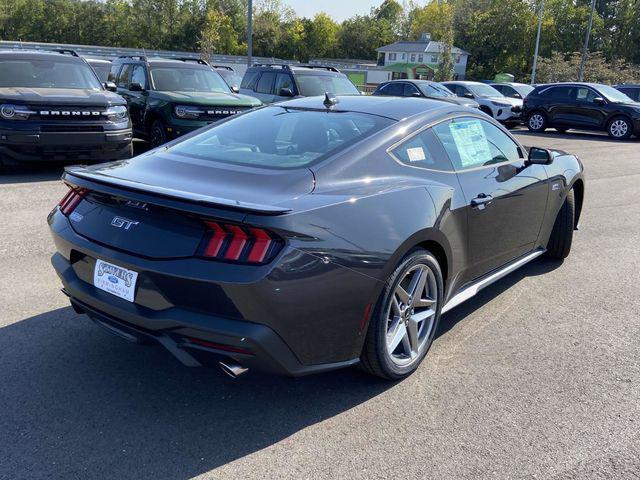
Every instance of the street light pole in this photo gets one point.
(535, 55)
(585, 48)
(250, 34)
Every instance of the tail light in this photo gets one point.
(71, 200)
(240, 244)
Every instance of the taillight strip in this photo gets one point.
(261, 245)
(216, 241)
(238, 241)
(71, 200)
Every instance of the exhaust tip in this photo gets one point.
(232, 369)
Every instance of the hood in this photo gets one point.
(209, 98)
(60, 96)
(203, 181)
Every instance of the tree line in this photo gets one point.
(499, 34)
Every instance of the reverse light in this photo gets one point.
(239, 243)
(72, 199)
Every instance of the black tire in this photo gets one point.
(157, 134)
(620, 128)
(561, 237)
(537, 122)
(375, 358)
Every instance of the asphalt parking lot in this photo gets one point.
(536, 377)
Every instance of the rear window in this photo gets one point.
(279, 137)
(47, 74)
(314, 85)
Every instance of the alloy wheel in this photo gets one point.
(411, 315)
(536, 121)
(619, 128)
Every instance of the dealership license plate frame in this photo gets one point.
(116, 280)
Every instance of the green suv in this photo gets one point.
(170, 97)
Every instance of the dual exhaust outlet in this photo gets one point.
(232, 369)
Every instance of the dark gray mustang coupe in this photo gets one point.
(312, 234)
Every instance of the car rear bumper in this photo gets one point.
(292, 318)
(36, 146)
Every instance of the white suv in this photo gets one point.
(504, 109)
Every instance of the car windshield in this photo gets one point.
(280, 137)
(313, 85)
(523, 90)
(102, 70)
(172, 79)
(232, 78)
(434, 90)
(47, 74)
(613, 95)
(483, 90)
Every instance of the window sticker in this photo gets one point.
(471, 142)
(416, 154)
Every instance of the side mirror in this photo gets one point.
(135, 87)
(235, 89)
(539, 156)
(516, 95)
(110, 86)
(599, 101)
(416, 94)
(468, 95)
(285, 92)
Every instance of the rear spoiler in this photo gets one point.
(78, 175)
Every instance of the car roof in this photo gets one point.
(510, 84)
(163, 62)
(38, 55)
(316, 69)
(97, 60)
(395, 108)
(573, 84)
(410, 80)
(632, 85)
(463, 82)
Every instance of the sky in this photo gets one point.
(338, 9)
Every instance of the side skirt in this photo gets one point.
(472, 289)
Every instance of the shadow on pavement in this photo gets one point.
(77, 402)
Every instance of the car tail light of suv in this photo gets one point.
(71, 200)
(237, 243)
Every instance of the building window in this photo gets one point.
(392, 56)
(434, 58)
(458, 58)
(420, 58)
(404, 56)
(413, 58)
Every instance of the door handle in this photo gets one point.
(481, 201)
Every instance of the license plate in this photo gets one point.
(116, 280)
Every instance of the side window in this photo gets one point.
(265, 84)
(423, 150)
(472, 142)
(584, 95)
(113, 73)
(284, 80)
(138, 76)
(500, 88)
(249, 80)
(394, 88)
(125, 76)
(409, 90)
(509, 91)
(461, 91)
(559, 93)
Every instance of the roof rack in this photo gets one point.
(65, 51)
(321, 67)
(223, 67)
(283, 66)
(199, 61)
(142, 58)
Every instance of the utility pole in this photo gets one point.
(535, 55)
(585, 48)
(250, 34)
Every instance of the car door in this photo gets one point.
(505, 199)
(138, 99)
(559, 105)
(264, 87)
(585, 112)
